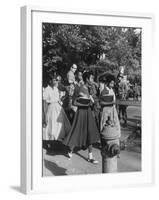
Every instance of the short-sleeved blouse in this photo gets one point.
(51, 95)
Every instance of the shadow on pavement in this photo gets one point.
(54, 168)
(16, 188)
(55, 153)
(81, 156)
(57, 148)
(97, 146)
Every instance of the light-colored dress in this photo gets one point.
(58, 125)
(110, 112)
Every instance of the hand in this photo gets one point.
(60, 102)
(91, 98)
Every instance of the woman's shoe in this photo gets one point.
(93, 161)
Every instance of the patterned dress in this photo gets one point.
(109, 112)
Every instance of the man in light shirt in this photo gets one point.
(71, 74)
(70, 109)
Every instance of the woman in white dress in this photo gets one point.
(57, 123)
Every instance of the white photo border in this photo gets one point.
(31, 101)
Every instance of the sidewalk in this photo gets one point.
(57, 162)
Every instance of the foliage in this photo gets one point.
(99, 48)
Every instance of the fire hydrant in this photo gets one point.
(110, 149)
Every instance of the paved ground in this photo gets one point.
(56, 162)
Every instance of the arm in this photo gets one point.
(45, 109)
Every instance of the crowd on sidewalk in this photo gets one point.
(76, 112)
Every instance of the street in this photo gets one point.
(57, 163)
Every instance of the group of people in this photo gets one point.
(76, 113)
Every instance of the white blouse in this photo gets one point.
(51, 95)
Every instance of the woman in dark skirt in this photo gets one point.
(84, 131)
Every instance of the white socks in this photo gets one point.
(90, 155)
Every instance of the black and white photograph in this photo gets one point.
(91, 99)
(79, 100)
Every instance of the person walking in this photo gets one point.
(122, 93)
(109, 116)
(136, 92)
(57, 123)
(93, 89)
(84, 131)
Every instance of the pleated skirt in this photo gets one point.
(84, 131)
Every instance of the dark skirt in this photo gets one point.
(84, 131)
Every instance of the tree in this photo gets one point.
(85, 45)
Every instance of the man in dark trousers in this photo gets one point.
(122, 91)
